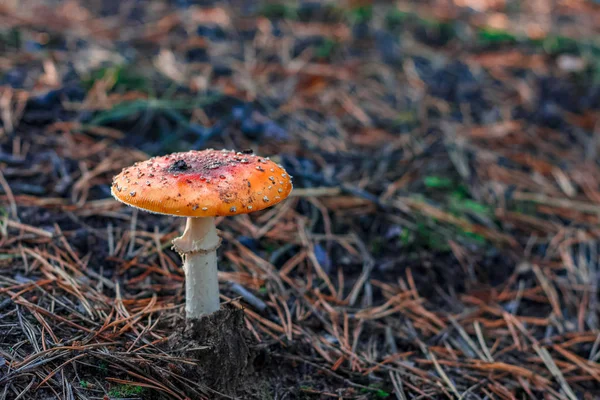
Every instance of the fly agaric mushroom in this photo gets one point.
(202, 185)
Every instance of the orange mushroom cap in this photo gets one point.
(203, 183)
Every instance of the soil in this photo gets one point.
(223, 349)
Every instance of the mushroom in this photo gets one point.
(202, 185)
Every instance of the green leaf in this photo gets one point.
(128, 109)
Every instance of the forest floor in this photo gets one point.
(442, 239)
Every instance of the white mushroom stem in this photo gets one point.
(198, 247)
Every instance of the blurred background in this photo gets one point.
(442, 239)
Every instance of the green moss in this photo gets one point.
(125, 391)
(459, 205)
(558, 45)
(406, 238)
(325, 49)
(491, 36)
(382, 394)
(426, 236)
(12, 38)
(279, 11)
(103, 367)
(361, 14)
(474, 238)
(396, 18)
(525, 207)
(376, 391)
(438, 182)
(376, 244)
(406, 117)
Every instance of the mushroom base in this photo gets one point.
(222, 345)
